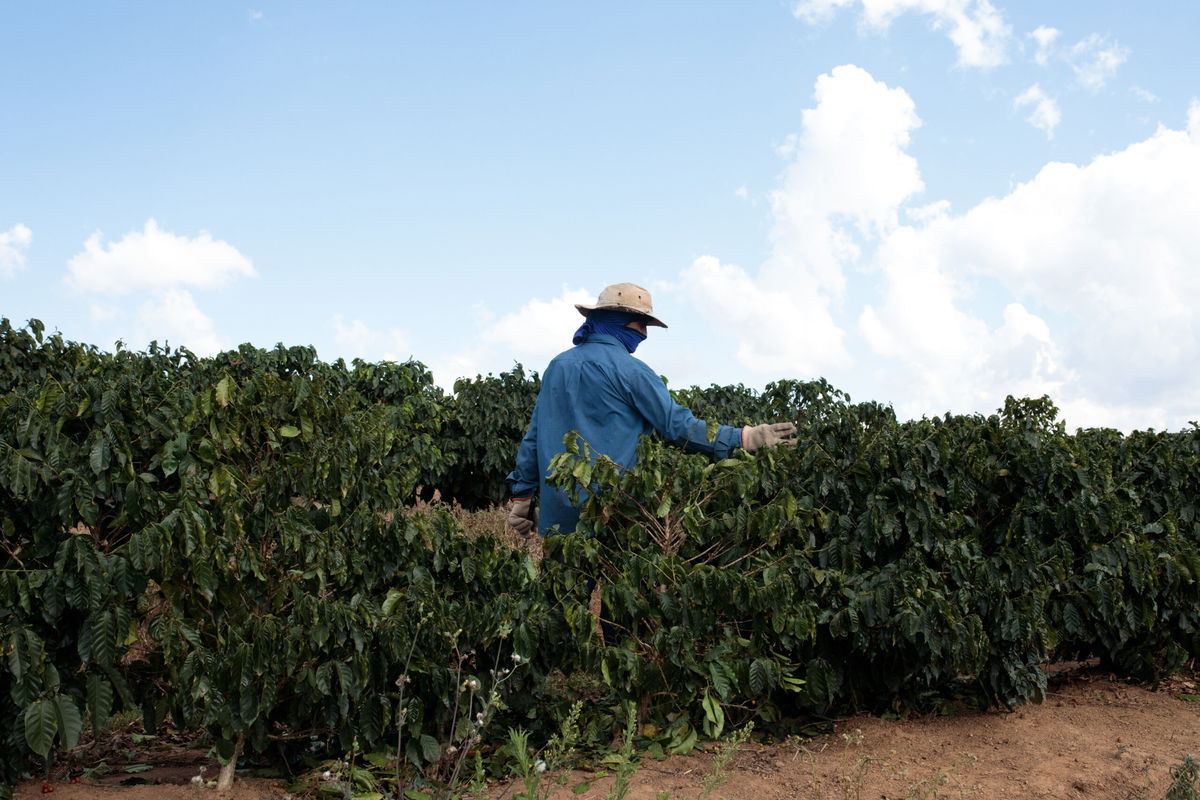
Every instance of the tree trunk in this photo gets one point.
(228, 769)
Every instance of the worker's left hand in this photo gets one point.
(522, 517)
(769, 434)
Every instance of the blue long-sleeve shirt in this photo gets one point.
(598, 389)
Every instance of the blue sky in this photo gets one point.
(931, 203)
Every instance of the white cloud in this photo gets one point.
(935, 353)
(1045, 115)
(1045, 38)
(154, 259)
(1095, 61)
(1080, 283)
(846, 178)
(255, 15)
(975, 27)
(1107, 249)
(13, 244)
(741, 193)
(531, 336)
(173, 316)
(358, 340)
(779, 332)
(540, 329)
(141, 282)
(1144, 95)
(101, 313)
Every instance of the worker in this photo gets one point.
(598, 389)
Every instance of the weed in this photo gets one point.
(533, 767)
(1184, 778)
(467, 733)
(796, 743)
(530, 770)
(928, 788)
(624, 761)
(853, 738)
(725, 752)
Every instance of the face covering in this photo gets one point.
(612, 323)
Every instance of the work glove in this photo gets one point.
(768, 434)
(522, 517)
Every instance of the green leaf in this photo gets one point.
(15, 663)
(714, 715)
(683, 742)
(100, 454)
(223, 391)
(205, 578)
(41, 724)
(720, 681)
(430, 747)
(394, 596)
(99, 701)
(581, 788)
(70, 721)
(103, 638)
(289, 431)
(759, 676)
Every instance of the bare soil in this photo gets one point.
(1093, 737)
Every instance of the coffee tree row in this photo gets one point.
(229, 543)
(224, 541)
(884, 565)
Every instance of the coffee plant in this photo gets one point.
(884, 565)
(225, 542)
(485, 422)
(230, 544)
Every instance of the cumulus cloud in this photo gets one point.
(531, 336)
(937, 354)
(1045, 114)
(141, 282)
(1095, 61)
(1107, 250)
(154, 259)
(13, 244)
(847, 176)
(778, 331)
(1079, 283)
(540, 329)
(358, 340)
(173, 316)
(1044, 38)
(976, 28)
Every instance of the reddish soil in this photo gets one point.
(1092, 738)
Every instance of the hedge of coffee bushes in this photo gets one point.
(231, 545)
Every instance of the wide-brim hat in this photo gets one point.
(627, 297)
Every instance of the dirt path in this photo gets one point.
(1092, 738)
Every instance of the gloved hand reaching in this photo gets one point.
(522, 517)
(768, 434)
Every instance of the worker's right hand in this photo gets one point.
(522, 517)
(768, 434)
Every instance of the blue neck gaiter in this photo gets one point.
(612, 323)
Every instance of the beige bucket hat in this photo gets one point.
(625, 297)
